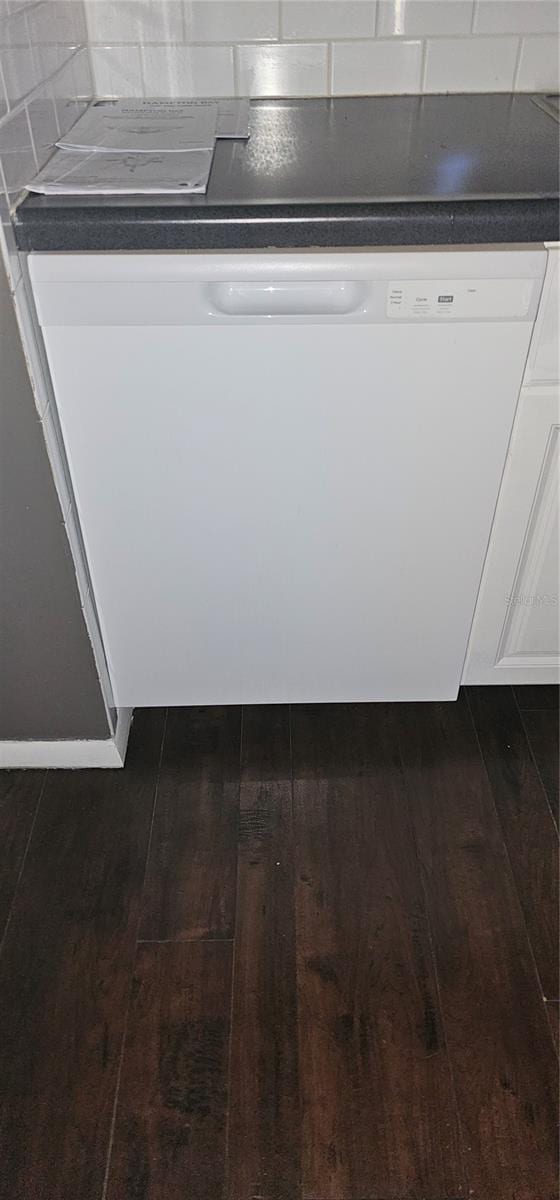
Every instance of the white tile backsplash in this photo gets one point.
(45, 81)
(520, 16)
(20, 70)
(19, 163)
(187, 70)
(320, 47)
(418, 18)
(376, 68)
(41, 110)
(470, 64)
(282, 70)
(329, 20)
(72, 89)
(224, 21)
(65, 102)
(135, 21)
(117, 70)
(539, 65)
(279, 47)
(79, 67)
(59, 22)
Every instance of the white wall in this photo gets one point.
(322, 47)
(45, 82)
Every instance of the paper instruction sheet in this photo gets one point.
(71, 172)
(142, 126)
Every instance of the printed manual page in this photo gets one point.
(146, 125)
(71, 172)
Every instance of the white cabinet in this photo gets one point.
(543, 365)
(516, 631)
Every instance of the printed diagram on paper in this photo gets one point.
(142, 147)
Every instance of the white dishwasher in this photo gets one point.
(286, 464)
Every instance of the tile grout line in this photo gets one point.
(308, 40)
(233, 965)
(23, 862)
(535, 763)
(509, 863)
(426, 905)
(131, 982)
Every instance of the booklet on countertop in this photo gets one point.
(142, 147)
(72, 172)
(144, 126)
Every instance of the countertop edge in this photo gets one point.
(75, 228)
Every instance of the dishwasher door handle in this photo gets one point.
(290, 299)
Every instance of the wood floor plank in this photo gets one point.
(190, 884)
(379, 1114)
(553, 1014)
(19, 796)
(264, 1123)
(542, 729)
(526, 822)
(65, 973)
(537, 696)
(169, 1141)
(505, 1075)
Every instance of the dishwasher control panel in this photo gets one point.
(459, 299)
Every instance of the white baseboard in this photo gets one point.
(68, 754)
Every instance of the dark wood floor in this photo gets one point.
(287, 954)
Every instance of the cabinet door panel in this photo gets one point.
(543, 365)
(515, 636)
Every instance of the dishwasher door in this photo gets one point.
(286, 466)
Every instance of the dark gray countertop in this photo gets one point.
(386, 170)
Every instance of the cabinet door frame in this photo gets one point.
(543, 363)
(523, 521)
